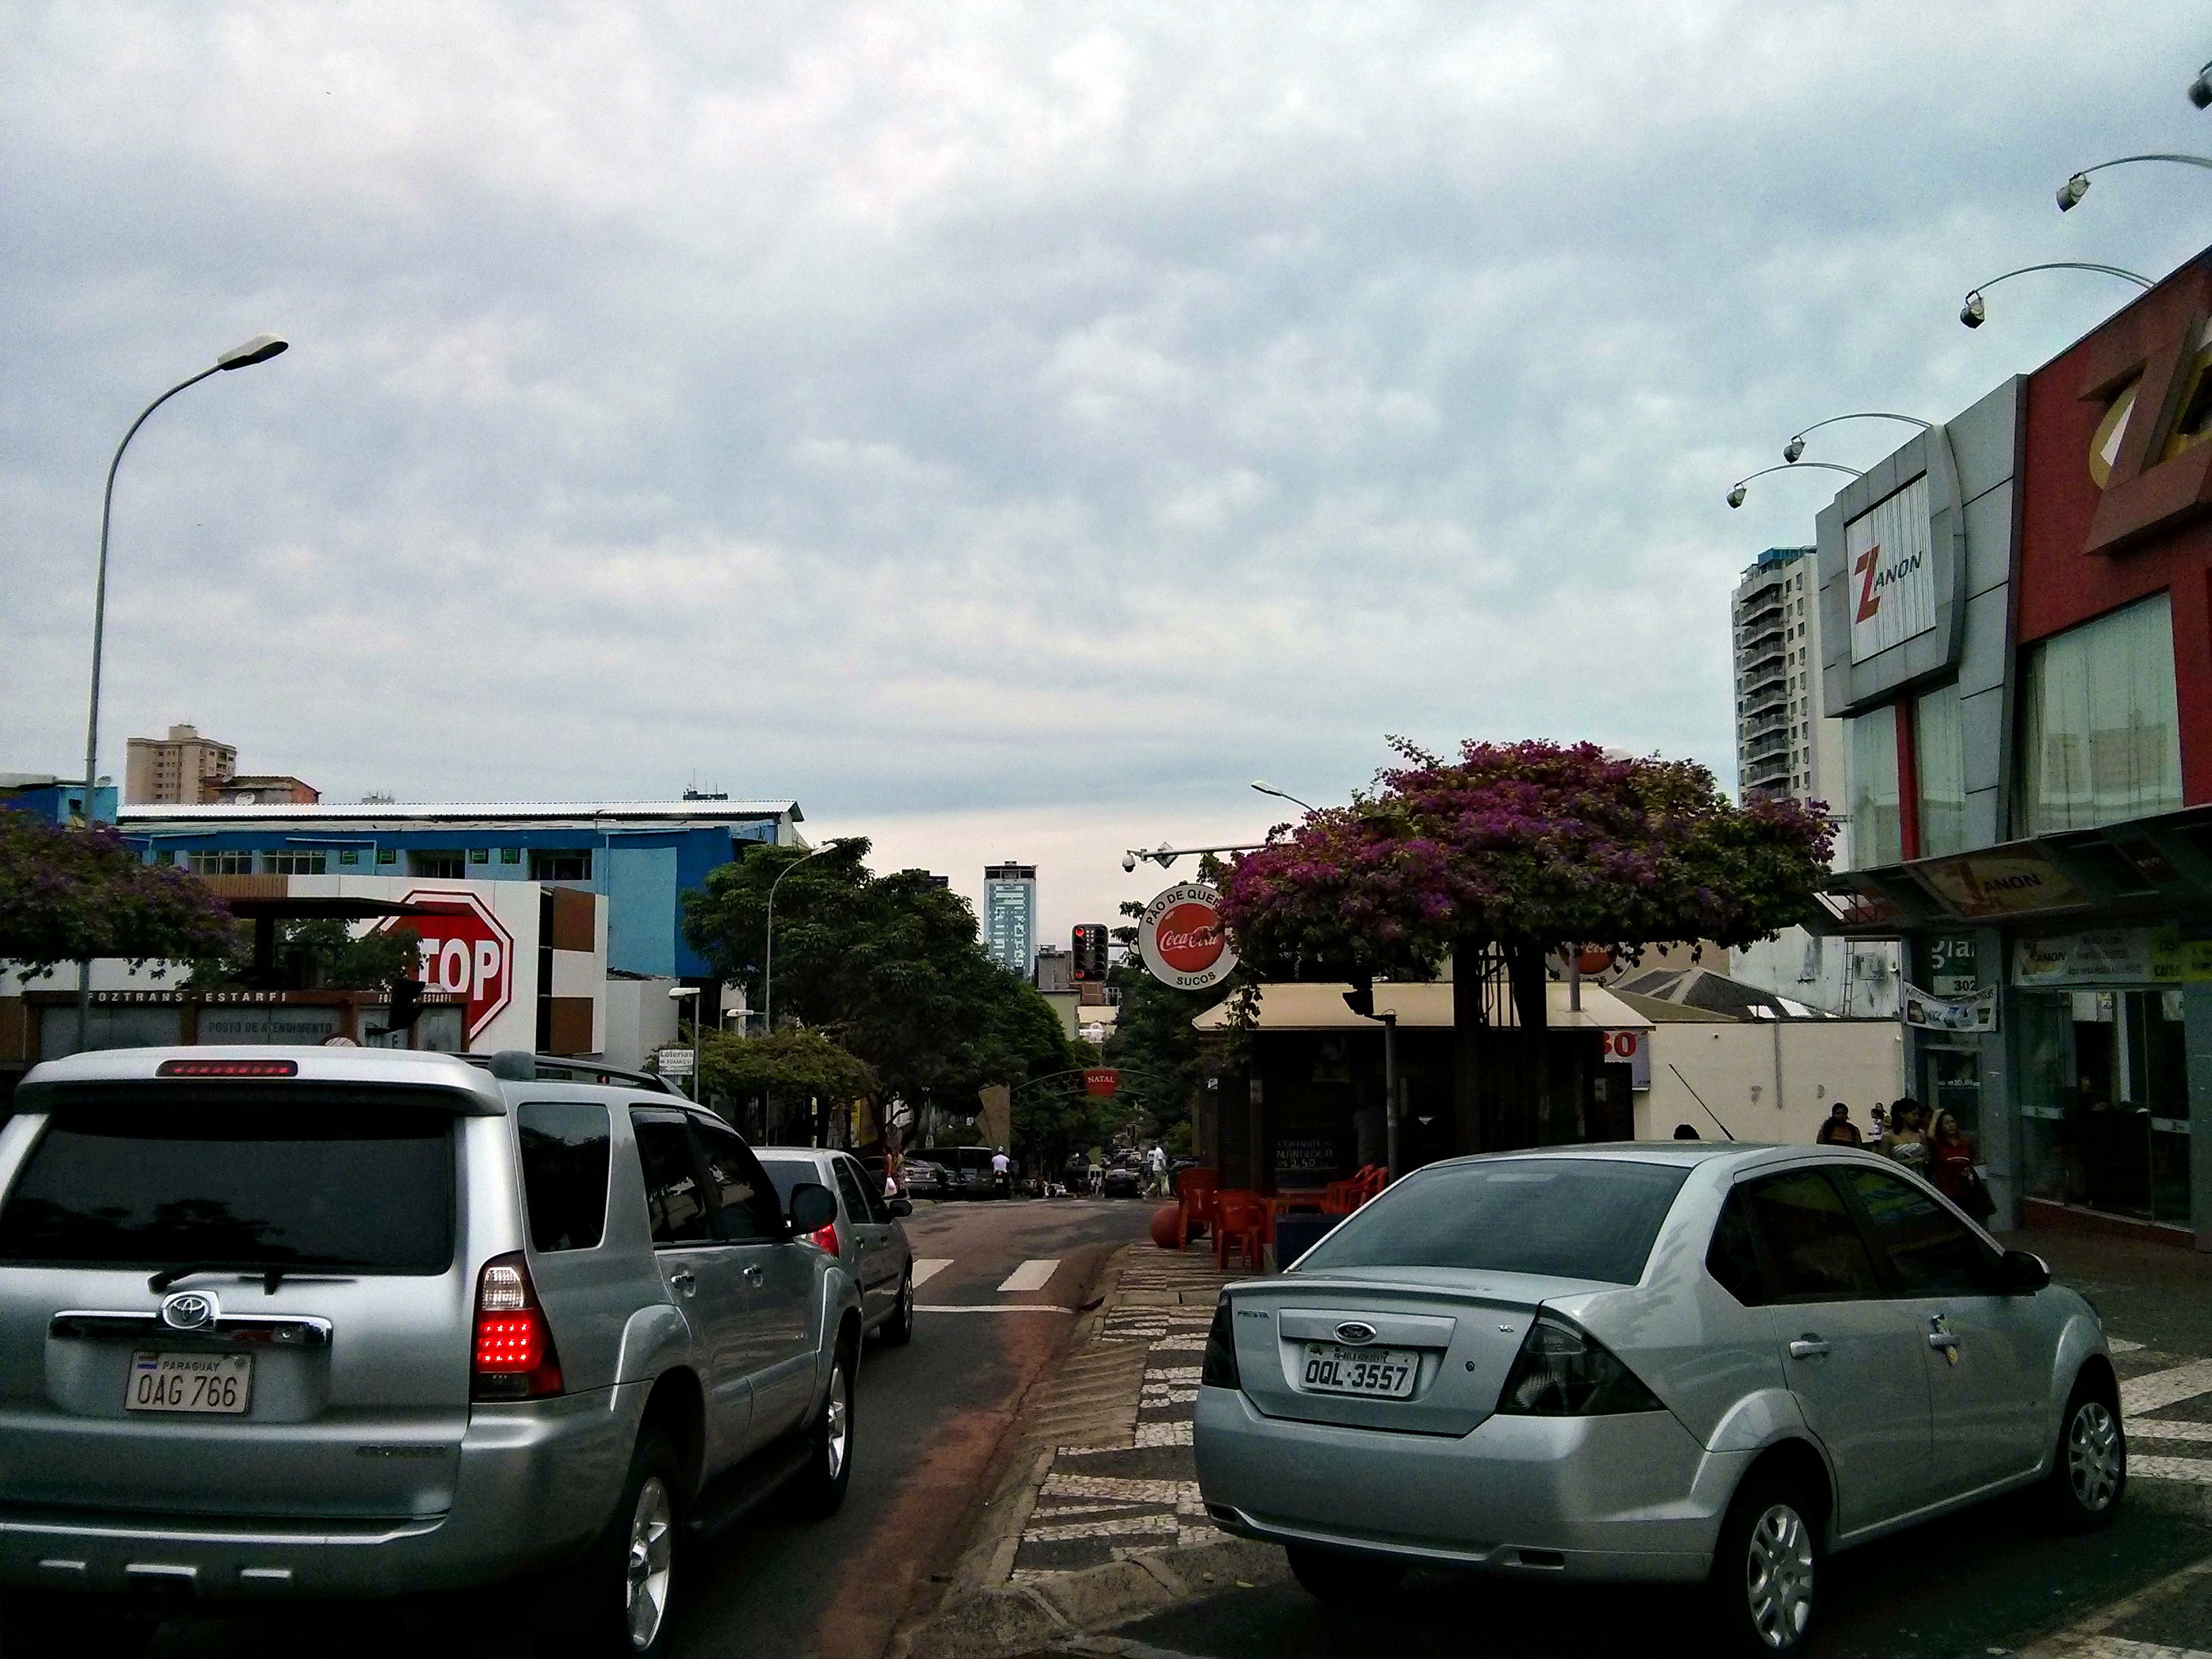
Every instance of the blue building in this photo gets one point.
(58, 800)
(643, 856)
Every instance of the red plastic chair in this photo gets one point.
(1239, 1215)
(1344, 1197)
(1194, 1191)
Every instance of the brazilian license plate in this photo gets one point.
(220, 1384)
(1378, 1373)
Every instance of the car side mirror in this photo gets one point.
(814, 1207)
(2025, 1273)
(901, 1207)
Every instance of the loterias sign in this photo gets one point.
(1181, 938)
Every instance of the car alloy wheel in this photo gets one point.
(1778, 1577)
(652, 1550)
(836, 1426)
(2093, 1457)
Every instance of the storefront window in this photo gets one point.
(2100, 741)
(2104, 1100)
(1939, 750)
(1877, 828)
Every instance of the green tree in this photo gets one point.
(318, 955)
(1154, 1045)
(70, 894)
(791, 1063)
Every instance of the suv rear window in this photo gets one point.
(564, 1172)
(1578, 1218)
(257, 1185)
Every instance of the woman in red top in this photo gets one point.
(1950, 1159)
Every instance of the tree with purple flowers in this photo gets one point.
(1512, 854)
(71, 895)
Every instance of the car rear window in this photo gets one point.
(256, 1185)
(1564, 1218)
(788, 1172)
(564, 1172)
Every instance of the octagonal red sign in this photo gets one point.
(467, 950)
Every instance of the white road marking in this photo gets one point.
(2119, 1647)
(2148, 1393)
(2121, 1344)
(994, 1307)
(2165, 1428)
(926, 1267)
(2196, 1470)
(1033, 1275)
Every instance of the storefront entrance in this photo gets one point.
(2104, 1100)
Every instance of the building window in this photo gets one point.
(560, 864)
(165, 857)
(387, 855)
(1939, 750)
(479, 856)
(292, 864)
(510, 855)
(2100, 738)
(349, 855)
(223, 864)
(439, 866)
(1877, 824)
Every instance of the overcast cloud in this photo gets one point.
(1007, 429)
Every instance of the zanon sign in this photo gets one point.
(1893, 571)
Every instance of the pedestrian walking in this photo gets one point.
(1838, 1130)
(1951, 1167)
(1157, 1158)
(1907, 1140)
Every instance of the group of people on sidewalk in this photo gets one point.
(1928, 1143)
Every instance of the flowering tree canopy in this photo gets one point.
(1528, 847)
(69, 895)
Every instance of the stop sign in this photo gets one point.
(465, 951)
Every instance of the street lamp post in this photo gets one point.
(1795, 447)
(258, 349)
(1390, 1158)
(767, 965)
(2071, 192)
(1972, 312)
(1283, 794)
(677, 993)
(1736, 491)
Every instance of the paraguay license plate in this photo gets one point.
(1383, 1373)
(220, 1383)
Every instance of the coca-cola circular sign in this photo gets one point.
(1181, 941)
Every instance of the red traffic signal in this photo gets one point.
(1089, 951)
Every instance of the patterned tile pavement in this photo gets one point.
(1105, 1502)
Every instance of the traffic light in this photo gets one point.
(1089, 951)
(1360, 999)
(406, 1005)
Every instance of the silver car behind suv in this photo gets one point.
(295, 1322)
(1648, 1362)
(866, 1234)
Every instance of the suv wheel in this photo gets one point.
(898, 1330)
(1765, 1567)
(619, 1597)
(2090, 1470)
(819, 1489)
(1333, 1576)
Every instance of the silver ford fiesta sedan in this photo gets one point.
(1659, 1362)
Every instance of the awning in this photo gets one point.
(1424, 1006)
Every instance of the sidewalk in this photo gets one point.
(1100, 1520)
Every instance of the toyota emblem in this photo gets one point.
(189, 1310)
(1355, 1331)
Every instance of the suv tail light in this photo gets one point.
(1561, 1371)
(514, 1357)
(825, 1238)
(1220, 1371)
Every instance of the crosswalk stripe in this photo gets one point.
(1033, 1275)
(926, 1267)
(2154, 1389)
(992, 1306)
(2164, 1428)
(2196, 1470)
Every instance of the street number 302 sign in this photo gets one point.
(1181, 938)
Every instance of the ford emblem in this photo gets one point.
(1355, 1331)
(189, 1310)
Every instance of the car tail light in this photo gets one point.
(514, 1357)
(825, 1238)
(1563, 1372)
(1220, 1371)
(228, 1069)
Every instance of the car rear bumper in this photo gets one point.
(1620, 1499)
(536, 1481)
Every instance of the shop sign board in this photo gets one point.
(1890, 553)
(2014, 882)
(466, 951)
(1632, 1047)
(1181, 939)
(2112, 955)
(1102, 1082)
(1953, 965)
(1976, 1011)
(672, 1062)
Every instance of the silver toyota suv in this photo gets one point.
(301, 1322)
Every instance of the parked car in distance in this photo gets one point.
(924, 1177)
(1673, 1361)
(337, 1322)
(865, 1235)
(1124, 1181)
(965, 1171)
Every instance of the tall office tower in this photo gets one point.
(1010, 915)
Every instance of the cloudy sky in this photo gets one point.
(1007, 429)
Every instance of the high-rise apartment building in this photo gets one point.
(183, 769)
(1784, 748)
(1010, 917)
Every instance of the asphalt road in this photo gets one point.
(930, 1417)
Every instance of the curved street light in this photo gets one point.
(1973, 312)
(1736, 491)
(767, 965)
(1795, 447)
(1283, 794)
(2200, 89)
(258, 349)
(2071, 192)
